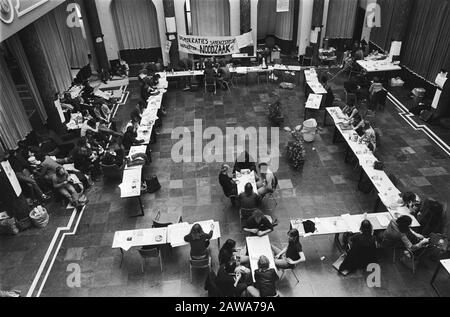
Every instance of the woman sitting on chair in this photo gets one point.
(199, 241)
(267, 183)
(249, 199)
(362, 249)
(265, 279)
(229, 253)
(228, 185)
(258, 224)
(291, 255)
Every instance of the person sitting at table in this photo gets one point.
(249, 199)
(267, 182)
(430, 215)
(244, 161)
(86, 158)
(368, 136)
(329, 98)
(89, 125)
(223, 74)
(399, 234)
(258, 224)
(129, 138)
(199, 241)
(48, 166)
(352, 113)
(136, 113)
(63, 185)
(229, 253)
(228, 185)
(265, 280)
(291, 255)
(361, 249)
(411, 200)
(231, 282)
(114, 155)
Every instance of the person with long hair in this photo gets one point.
(249, 199)
(430, 215)
(265, 279)
(292, 254)
(362, 249)
(199, 241)
(228, 252)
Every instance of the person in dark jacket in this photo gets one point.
(228, 185)
(258, 224)
(249, 199)
(129, 138)
(329, 98)
(430, 215)
(265, 280)
(362, 249)
(199, 241)
(229, 283)
(229, 253)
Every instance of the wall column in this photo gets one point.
(169, 12)
(254, 23)
(326, 4)
(107, 25)
(235, 17)
(304, 25)
(245, 16)
(162, 29)
(180, 22)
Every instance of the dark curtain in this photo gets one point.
(426, 47)
(394, 16)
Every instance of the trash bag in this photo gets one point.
(39, 216)
(309, 130)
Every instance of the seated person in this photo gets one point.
(47, 167)
(249, 199)
(229, 282)
(265, 280)
(291, 255)
(430, 215)
(102, 112)
(362, 249)
(89, 125)
(223, 74)
(123, 69)
(129, 138)
(369, 136)
(199, 241)
(229, 253)
(258, 224)
(266, 184)
(411, 200)
(86, 159)
(114, 155)
(22, 169)
(352, 114)
(329, 98)
(244, 161)
(63, 185)
(136, 113)
(228, 185)
(399, 234)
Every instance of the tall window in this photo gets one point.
(187, 17)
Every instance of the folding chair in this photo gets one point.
(199, 264)
(145, 254)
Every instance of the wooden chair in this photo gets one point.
(150, 252)
(199, 264)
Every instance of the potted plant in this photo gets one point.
(275, 115)
(295, 151)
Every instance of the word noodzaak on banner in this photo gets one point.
(213, 45)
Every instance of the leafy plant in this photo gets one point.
(295, 151)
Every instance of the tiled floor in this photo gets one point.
(325, 187)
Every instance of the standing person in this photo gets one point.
(329, 98)
(362, 249)
(265, 280)
(291, 255)
(199, 241)
(374, 89)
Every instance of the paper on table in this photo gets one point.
(352, 225)
(176, 233)
(383, 220)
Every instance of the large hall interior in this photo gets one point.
(224, 148)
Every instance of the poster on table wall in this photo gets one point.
(213, 45)
(7, 169)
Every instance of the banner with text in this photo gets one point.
(213, 45)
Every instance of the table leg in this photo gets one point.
(337, 242)
(121, 259)
(346, 154)
(377, 204)
(218, 243)
(434, 278)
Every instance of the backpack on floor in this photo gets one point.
(152, 184)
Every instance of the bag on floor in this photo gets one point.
(8, 227)
(24, 223)
(152, 184)
(39, 217)
(426, 115)
(285, 85)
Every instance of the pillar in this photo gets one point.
(96, 33)
(169, 12)
(159, 6)
(254, 23)
(235, 17)
(180, 22)
(304, 25)
(109, 31)
(244, 16)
